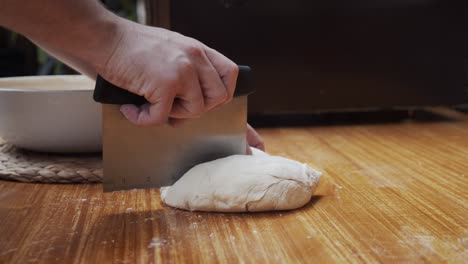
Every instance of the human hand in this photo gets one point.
(180, 77)
(254, 140)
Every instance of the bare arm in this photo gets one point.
(179, 76)
(76, 32)
(79, 65)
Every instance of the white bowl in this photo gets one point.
(50, 113)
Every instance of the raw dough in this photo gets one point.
(243, 183)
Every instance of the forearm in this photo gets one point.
(74, 29)
(77, 64)
(179, 76)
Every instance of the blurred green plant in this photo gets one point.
(129, 10)
(13, 37)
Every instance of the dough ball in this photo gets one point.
(243, 183)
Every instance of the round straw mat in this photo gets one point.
(27, 166)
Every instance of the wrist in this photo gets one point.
(97, 39)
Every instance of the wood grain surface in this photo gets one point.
(394, 193)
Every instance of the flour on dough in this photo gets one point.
(243, 183)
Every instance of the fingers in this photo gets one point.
(189, 101)
(148, 114)
(226, 69)
(254, 139)
(214, 92)
(181, 81)
(203, 88)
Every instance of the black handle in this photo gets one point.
(107, 93)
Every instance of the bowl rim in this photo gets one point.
(45, 77)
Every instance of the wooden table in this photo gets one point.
(399, 194)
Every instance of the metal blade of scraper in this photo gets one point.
(136, 157)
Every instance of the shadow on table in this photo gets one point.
(168, 220)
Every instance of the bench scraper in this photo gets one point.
(136, 157)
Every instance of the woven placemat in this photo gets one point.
(27, 166)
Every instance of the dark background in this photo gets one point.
(311, 56)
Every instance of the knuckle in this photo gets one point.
(194, 50)
(185, 66)
(233, 69)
